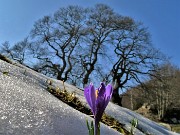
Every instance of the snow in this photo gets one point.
(123, 115)
(27, 108)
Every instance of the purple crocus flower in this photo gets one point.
(98, 99)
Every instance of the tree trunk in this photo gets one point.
(116, 98)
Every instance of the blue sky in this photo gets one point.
(162, 17)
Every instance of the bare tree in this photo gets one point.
(101, 23)
(6, 50)
(164, 89)
(55, 40)
(161, 91)
(18, 52)
(135, 59)
(82, 44)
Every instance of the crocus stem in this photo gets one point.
(97, 130)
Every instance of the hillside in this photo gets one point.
(144, 101)
(28, 108)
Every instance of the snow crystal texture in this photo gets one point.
(26, 108)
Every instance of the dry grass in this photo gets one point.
(73, 101)
(175, 128)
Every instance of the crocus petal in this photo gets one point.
(93, 98)
(108, 94)
(89, 93)
(104, 96)
(86, 94)
(100, 102)
(100, 107)
(101, 90)
(109, 90)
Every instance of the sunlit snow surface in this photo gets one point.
(26, 108)
(124, 116)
